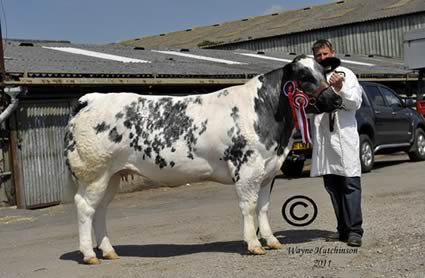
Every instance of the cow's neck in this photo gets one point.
(269, 129)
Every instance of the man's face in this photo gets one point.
(323, 53)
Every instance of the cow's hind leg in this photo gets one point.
(262, 212)
(87, 200)
(99, 223)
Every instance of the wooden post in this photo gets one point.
(16, 171)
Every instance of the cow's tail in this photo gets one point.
(70, 188)
(70, 180)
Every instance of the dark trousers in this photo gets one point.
(345, 194)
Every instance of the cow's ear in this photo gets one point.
(299, 57)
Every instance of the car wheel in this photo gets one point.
(293, 168)
(367, 156)
(418, 148)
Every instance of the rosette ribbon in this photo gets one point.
(298, 101)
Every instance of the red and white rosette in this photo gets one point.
(298, 101)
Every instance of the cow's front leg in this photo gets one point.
(263, 220)
(248, 197)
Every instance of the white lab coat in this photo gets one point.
(337, 152)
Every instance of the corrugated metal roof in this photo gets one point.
(50, 60)
(283, 23)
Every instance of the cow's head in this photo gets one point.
(310, 78)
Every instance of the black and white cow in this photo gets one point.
(239, 135)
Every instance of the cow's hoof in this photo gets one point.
(91, 260)
(112, 255)
(257, 250)
(275, 244)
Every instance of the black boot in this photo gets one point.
(354, 240)
(337, 236)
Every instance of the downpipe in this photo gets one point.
(13, 93)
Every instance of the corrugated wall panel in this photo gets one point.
(41, 130)
(383, 37)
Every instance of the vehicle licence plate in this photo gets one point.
(301, 146)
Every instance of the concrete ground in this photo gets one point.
(196, 231)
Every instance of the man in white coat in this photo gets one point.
(336, 150)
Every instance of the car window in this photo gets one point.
(365, 101)
(375, 96)
(391, 98)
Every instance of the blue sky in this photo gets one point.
(103, 21)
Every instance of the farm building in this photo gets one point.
(354, 26)
(414, 45)
(52, 75)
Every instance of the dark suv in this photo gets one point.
(386, 124)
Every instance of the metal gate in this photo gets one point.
(39, 152)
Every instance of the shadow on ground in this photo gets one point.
(173, 250)
(383, 164)
(377, 165)
(302, 236)
(166, 250)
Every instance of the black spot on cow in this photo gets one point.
(237, 152)
(203, 127)
(223, 93)
(69, 146)
(231, 131)
(114, 136)
(172, 163)
(160, 161)
(158, 124)
(102, 127)
(197, 100)
(235, 113)
(148, 152)
(191, 141)
(68, 165)
(119, 115)
(69, 142)
(157, 145)
(77, 107)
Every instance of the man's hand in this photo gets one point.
(336, 81)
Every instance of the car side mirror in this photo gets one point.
(408, 102)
